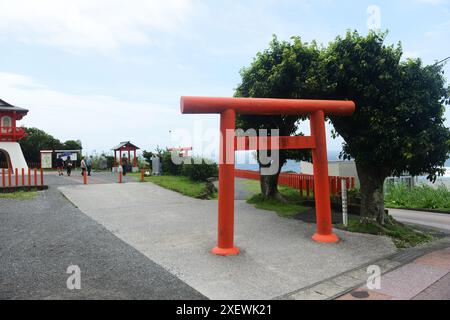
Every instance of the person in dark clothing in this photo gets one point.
(60, 165)
(69, 165)
(89, 165)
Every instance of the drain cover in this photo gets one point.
(360, 294)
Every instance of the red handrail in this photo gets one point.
(12, 133)
(303, 182)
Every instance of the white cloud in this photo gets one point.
(101, 24)
(100, 122)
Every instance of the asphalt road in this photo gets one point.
(42, 237)
(429, 219)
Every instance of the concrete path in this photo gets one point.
(42, 237)
(76, 178)
(429, 219)
(178, 233)
(426, 278)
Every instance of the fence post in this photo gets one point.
(3, 177)
(142, 175)
(307, 187)
(84, 177)
(35, 177)
(23, 177)
(120, 177)
(16, 177)
(29, 177)
(344, 202)
(9, 177)
(301, 186)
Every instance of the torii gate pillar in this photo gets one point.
(225, 242)
(324, 231)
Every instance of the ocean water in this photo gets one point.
(290, 165)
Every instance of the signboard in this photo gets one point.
(73, 155)
(46, 160)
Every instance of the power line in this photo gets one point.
(439, 62)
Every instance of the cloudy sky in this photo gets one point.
(105, 71)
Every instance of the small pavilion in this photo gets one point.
(125, 147)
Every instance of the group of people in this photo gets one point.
(86, 165)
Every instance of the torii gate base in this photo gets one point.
(228, 107)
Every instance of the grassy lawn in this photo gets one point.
(420, 197)
(179, 184)
(254, 187)
(402, 235)
(288, 210)
(19, 195)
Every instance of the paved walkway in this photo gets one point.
(426, 278)
(430, 219)
(40, 238)
(52, 178)
(177, 232)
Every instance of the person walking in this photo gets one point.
(89, 162)
(69, 165)
(60, 165)
(83, 166)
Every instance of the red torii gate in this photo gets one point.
(184, 151)
(228, 108)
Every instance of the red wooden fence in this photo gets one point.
(303, 182)
(10, 178)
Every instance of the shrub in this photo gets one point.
(199, 169)
(424, 197)
(168, 167)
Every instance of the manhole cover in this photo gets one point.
(360, 294)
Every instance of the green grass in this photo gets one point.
(288, 209)
(420, 197)
(254, 187)
(179, 184)
(402, 235)
(19, 195)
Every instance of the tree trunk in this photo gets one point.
(372, 195)
(269, 186)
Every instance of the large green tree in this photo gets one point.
(398, 125)
(37, 140)
(284, 70)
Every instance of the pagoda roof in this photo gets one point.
(126, 144)
(5, 106)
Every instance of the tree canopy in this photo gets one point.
(284, 70)
(37, 140)
(398, 124)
